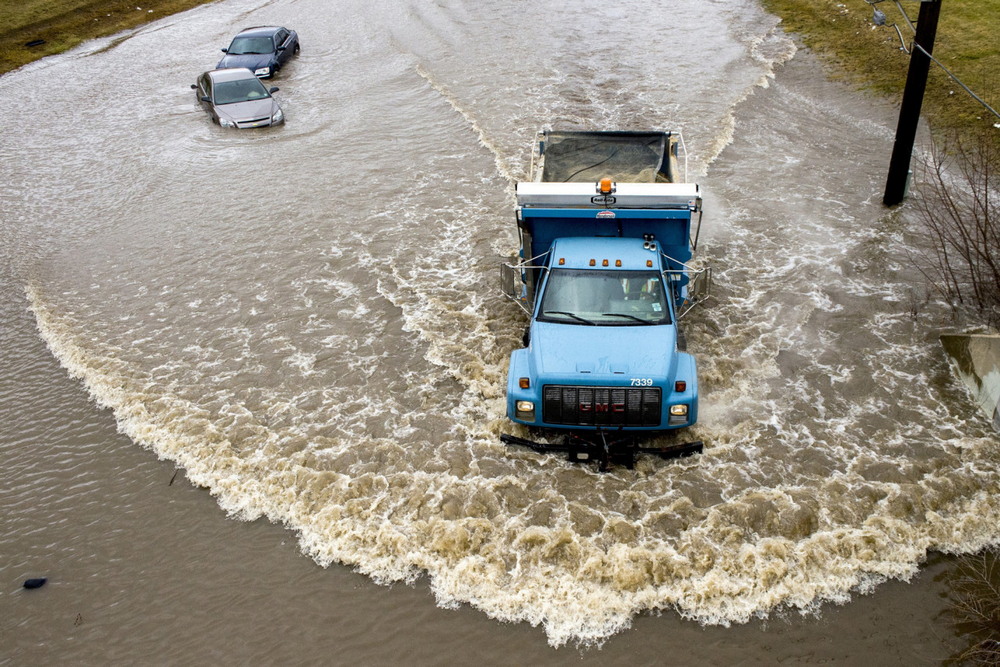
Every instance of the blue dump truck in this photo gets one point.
(608, 225)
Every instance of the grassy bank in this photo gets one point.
(54, 26)
(870, 57)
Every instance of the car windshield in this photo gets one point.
(243, 90)
(242, 46)
(605, 298)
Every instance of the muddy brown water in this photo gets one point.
(254, 380)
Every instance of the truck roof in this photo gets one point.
(577, 252)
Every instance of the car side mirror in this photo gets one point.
(282, 48)
(206, 98)
(273, 89)
(194, 87)
(225, 50)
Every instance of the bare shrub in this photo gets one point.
(975, 608)
(958, 203)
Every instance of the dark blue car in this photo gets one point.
(263, 50)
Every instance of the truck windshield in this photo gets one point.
(604, 298)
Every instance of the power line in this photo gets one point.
(958, 81)
(905, 17)
(879, 19)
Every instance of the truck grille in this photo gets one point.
(601, 406)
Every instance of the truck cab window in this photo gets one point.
(605, 298)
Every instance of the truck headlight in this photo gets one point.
(525, 410)
(678, 414)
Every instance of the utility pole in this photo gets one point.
(913, 97)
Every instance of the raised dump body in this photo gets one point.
(603, 273)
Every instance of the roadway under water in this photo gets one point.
(306, 321)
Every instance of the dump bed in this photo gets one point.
(567, 156)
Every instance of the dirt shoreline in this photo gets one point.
(60, 25)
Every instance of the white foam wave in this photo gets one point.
(502, 167)
(360, 406)
(537, 541)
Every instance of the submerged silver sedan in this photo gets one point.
(234, 97)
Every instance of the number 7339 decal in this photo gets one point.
(642, 382)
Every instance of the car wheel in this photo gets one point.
(295, 51)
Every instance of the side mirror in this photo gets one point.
(206, 98)
(194, 87)
(225, 50)
(273, 89)
(282, 48)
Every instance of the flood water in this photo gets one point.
(254, 380)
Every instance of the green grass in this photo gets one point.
(63, 24)
(870, 57)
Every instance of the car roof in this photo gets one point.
(230, 74)
(262, 30)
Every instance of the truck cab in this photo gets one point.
(604, 274)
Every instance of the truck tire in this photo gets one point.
(682, 343)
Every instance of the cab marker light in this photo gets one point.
(524, 383)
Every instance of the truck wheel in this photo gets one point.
(526, 338)
(682, 343)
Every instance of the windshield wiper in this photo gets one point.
(631, 317)
(563, 312)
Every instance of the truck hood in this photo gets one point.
(569, 352)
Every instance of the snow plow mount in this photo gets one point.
(605, 448)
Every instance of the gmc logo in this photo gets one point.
(602, 408)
